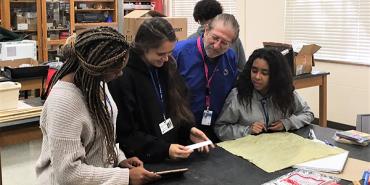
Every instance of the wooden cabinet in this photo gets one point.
(57, 26)
(23, 17)
(93, 13)
(64, 17)
(58, 19)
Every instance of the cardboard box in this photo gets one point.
(304, 60)
(133, 20)
(18, 62)
(22, 26)
(18, 49)
(301, 62)
(32, 26)
(10, 90)
(21, 19)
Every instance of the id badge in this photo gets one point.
(166, 126)
(207, 117)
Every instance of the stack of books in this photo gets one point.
(352, 137)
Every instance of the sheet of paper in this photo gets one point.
(303, 177)
(331, 164)
(276, 151)
(353, 170)
(198, 145)
(23, 105)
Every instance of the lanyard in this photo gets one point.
(158, 91)
(209, 79)
(265, 112)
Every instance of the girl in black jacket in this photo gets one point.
(154, 120)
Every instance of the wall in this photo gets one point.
(264, 21)
(348, 85)
(348, 92)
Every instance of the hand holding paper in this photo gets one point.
(199, 145)
(177, 151)
(197, 136)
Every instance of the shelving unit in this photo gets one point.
(22, 17)
(57, 26)
(81, 14)
(98, 11)
(57, 19)
(94, 13)
(130, 5)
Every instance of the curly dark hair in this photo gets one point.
(280, 86)
(205, 10)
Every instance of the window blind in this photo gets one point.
(340, 27)
(184, 8)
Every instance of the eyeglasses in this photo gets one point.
(223, 43)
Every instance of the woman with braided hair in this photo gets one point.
(78, 118)
(154, 119)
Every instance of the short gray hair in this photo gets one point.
(227, 19)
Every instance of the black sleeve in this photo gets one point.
(184, 134)
(133, 135)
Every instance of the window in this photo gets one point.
(184, 8)
(340, 27)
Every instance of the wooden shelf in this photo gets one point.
(95, 1)
(59, 29)
(82, 25)
(134, 1)
(60, 1)
(21, 31)
(57, 42)
(92, 10)
(23, 1)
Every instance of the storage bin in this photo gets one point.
(13, 50)
(9, 93)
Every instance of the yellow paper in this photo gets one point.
(276, 151)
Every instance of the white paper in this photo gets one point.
(198, 145)
(331, 164)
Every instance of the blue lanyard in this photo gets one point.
(158, 91)
(265, 112)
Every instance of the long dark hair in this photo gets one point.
(152, 34)
(89, 56)
(280, 86)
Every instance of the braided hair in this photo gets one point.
(89, 56)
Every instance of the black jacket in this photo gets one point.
(139, 114)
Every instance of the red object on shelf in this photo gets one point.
(63, 35)
(158, 5)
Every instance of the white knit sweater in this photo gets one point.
(69, 154)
